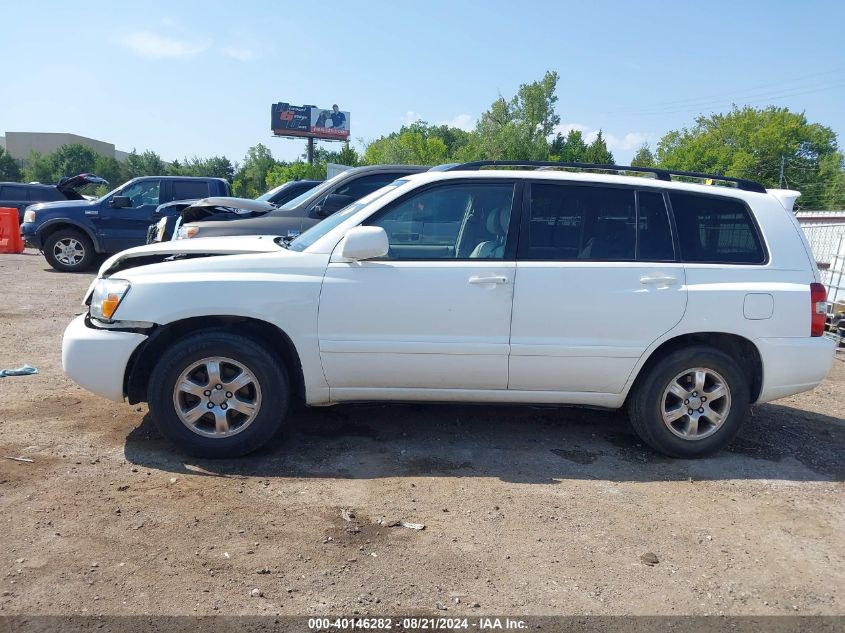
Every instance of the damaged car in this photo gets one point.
(175, 214)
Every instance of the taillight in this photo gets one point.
(818, 309)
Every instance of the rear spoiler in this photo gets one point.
(786, 197)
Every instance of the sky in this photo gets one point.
(198, 78)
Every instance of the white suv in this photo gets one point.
(685, 303)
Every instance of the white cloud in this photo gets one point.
(241, 54)
(154, 46)
(411, 117)
(463, 121)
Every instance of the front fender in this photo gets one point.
(279, 289)
(44, 228)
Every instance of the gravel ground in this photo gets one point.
(526, 510)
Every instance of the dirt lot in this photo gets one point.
(526, 510)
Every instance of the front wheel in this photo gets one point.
(216, 394)
(69, 250)
(691, 403)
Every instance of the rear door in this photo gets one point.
(597, 282)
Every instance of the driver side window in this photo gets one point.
(141, 193)
(466, 221)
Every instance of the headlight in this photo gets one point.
(187, 232)
(108, 293)
(160, 229)
(29, 215)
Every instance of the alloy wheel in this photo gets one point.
(696, 403)
(217, 397)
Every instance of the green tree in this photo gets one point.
(213, 167)
(753, 143)
(279, 174)
(569, 149)
(407, 147)
(73, 159)
(109, 168)
(347, 156)
(9, 170)
(250, 180)
(417, 144)
(518, 129)
(39, 168)
(597, 152)
(644, 157)
(147, 164)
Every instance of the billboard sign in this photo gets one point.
(309, 121)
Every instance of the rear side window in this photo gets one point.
(13, 193)
(568, 222)
(45, 195)
(715, 230)
(189, 189)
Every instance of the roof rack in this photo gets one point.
(661, 174)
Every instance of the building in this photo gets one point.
(20, 145)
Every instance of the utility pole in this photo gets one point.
(782, 161)
(311, 153)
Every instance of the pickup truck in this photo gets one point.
(72, 232)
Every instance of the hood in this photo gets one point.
(63, 204)
(246, 204)
(186, 249)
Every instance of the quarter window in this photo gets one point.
(717, 230)
(654, 235)
(467, 221)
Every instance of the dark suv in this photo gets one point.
(71, 232)
(306, 210)
(19, 196)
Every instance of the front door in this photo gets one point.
(597, 282)
(434, 314)
(119, 229)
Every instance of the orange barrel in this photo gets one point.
(10, 231)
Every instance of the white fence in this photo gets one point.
(828, 244)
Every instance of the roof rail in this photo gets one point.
(661, 174)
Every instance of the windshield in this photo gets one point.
(317, 192)
(319, 230)
(266, 197)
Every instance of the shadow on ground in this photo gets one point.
(517, 444)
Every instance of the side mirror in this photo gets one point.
(331, 203)
(365, 242)
(120, 202)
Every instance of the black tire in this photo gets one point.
(85, 261)
(646, 404)
(271, 377)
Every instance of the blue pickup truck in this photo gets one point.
(71, 232)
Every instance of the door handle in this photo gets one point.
(658, 280)
(477, 280)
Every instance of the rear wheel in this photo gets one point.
(691, 403)
(216, 394)
(69, 250)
